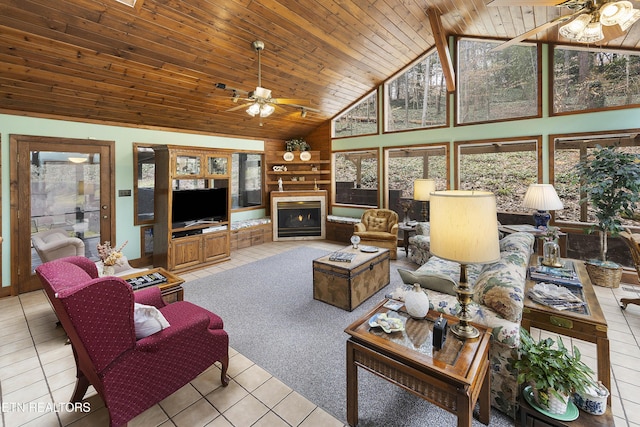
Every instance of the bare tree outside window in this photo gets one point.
(361, 119)
(356, 178)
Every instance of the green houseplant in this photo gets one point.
(611, 181)
(297, 144)
(550, 369)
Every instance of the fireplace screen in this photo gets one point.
(299, 218)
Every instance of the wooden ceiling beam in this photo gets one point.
(443, 49)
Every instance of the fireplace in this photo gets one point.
(298, 217)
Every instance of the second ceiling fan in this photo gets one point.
(590, 21)
(259, 101)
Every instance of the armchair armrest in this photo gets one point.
(359, 227)
(185, 328)
(394, 229)
(149, 296)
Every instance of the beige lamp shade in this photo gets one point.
(464, 226)
(422, 189)
(542, 197)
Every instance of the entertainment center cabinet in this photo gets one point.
(195, 231)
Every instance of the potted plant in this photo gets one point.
(551, 371)
(297, 144)
(611, 181)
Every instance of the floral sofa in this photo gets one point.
(497, 304)
(419, 244)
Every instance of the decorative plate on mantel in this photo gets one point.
(305, 156)
(288, 156)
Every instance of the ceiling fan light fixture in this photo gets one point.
(253, 109)
(630, 19)
(262, 92)
(592, 33)
(615, 12)
(574, 29)
(266, 110)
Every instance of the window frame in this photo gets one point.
(261, 174)
(136, 179)
(386, 115)
(375, 94)
(552, 92)
(498, 142)
(538, 113)
(376, 152)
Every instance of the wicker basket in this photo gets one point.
(607, 275)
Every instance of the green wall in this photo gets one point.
(123, 137)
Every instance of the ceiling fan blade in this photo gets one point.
(289, 101)
(611, 32)
(545, 26)
(237, 107)
(533, 2)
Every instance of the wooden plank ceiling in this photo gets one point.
(157, 64)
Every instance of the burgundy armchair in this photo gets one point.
(130, 375)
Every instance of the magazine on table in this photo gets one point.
(342, 256)
(565, 275)
(555, 296)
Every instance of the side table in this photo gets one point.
(407, 231)
(455, 377)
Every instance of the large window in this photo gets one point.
(405, 165)
(246, 180)
(594, 79)
(504, 167)
(417, 98)
(356, 178)
(497, 85)
(360, 119)
(567, 151)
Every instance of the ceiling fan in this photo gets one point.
(590, 22)
(259, 102)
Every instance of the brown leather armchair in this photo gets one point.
(379, 227)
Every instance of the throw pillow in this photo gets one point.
(148, 320)
(433, 281)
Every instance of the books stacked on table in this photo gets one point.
(342, 256)
(555, 296)
(565, 275)
(146, 280)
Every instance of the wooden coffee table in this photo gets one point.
(587, 325)
(454, 378)
(170, 287)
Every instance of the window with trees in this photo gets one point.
(594, 79)
(497, 85)
(356, 178)
(360, 119)
(566, 152)
(417, 98)
(504, 167)
(246, 180)
(404, 165)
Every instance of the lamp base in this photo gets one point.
(541, 219)
(465, 331)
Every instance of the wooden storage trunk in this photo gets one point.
(348, 284)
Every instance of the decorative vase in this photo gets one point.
(593, 400)
(551, 254)
(108, 270)
(416, 302)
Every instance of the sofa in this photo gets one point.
(498, 302)
(419, 244)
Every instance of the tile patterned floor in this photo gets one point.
(37, 369)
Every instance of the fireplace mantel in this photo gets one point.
(299, 196)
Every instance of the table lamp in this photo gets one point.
(464, 229)
(422, 189)
(542, 198)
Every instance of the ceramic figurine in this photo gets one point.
(416, 302)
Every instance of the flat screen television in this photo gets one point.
(203, 206)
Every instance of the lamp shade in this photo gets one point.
(422, 189)
(464, 226)
(542, 197)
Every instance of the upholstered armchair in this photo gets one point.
(420, 244)
(633, 242)
(379, 227)
(56, 243)
(130, 374)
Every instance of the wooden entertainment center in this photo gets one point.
(197, 242)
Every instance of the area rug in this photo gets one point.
(272, 319)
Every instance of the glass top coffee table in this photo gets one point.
(455, 377)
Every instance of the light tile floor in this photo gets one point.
(37, 369)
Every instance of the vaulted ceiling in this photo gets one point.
(157, 64)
